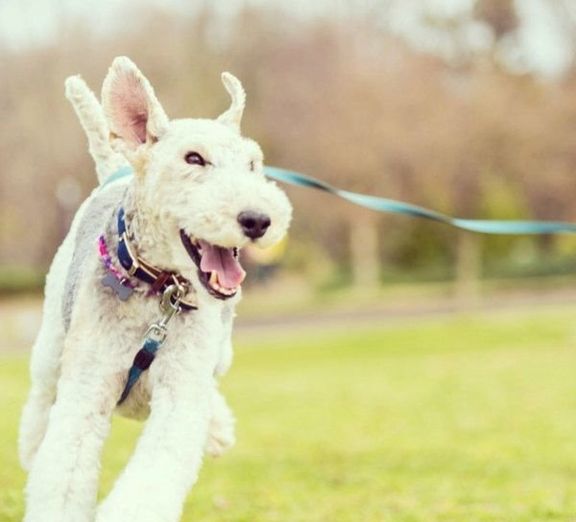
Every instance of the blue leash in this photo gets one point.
(484, 226)
(157, 332)
(154, 338)
(144, 358)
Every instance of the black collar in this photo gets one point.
(136, 267)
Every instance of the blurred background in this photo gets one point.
(464, 106)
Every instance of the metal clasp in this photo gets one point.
(156, 332)
(169, 306)
(170, 303)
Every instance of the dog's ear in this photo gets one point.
(233, 116)
(133, 112)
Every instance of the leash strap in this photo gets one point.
(484, 226)
(122, 172)
(170, 305)
(142, 362)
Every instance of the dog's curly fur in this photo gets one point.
(89, 337)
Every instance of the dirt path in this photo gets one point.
(388, 315)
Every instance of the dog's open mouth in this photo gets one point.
(219, 269)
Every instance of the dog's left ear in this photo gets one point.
(133, 112)
(233, 116)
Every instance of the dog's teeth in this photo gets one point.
(215, 284)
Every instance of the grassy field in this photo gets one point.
(454, 419)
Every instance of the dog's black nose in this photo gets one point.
(254, 224)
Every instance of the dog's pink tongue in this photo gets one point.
(222, 260)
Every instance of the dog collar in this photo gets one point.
(158, 279)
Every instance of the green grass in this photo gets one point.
(468, 419)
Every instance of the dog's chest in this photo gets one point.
(195, 339)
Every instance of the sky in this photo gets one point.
(542, 45)
(545, 41)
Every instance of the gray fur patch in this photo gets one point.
(97, 219)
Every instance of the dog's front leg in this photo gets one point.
(165, 465)
(221, 430)
(63, 480)
(221, 434)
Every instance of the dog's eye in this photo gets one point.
(193, 158)
(252, 165)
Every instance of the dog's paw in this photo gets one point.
(221, 436)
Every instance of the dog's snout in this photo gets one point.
(254, 224)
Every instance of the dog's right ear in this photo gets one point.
(133, 112)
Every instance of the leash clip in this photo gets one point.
(155, 335)
(169, 306)
(156, 332)
(170, 302)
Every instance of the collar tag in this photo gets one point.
(120, 289)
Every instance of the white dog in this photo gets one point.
(148, 257)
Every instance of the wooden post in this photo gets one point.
(468, 267)
(364, 250)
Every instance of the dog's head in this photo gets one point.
(199, 189)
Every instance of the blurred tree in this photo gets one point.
(499, 15)
(339, 97)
